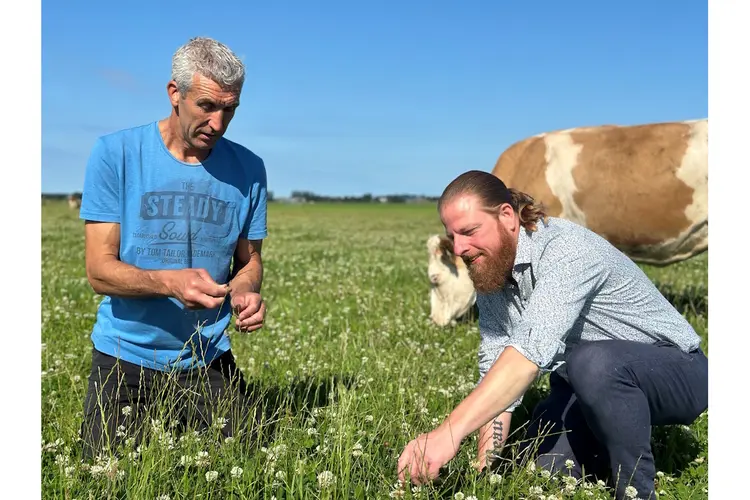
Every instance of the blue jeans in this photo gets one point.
(603, 402)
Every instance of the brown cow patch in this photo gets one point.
(633, 169)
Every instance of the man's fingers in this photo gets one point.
(252, 314)
(207, 285)
(404, 462)
(208, 302)
(238, 302)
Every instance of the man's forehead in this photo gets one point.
(462, 206)
(461, 213)
(206, 89)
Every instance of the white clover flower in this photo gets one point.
(211, 476)
(126, 411)
(631, 492)
(326, 479)
(201, 459)
(570, 481)
(458, 496)
(236, 472)
(569, 463)
(220, 422)
(496, 478)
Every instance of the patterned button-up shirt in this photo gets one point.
(569, 284)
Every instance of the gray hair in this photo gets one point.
(210, 59)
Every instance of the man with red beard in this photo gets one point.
(555, 297)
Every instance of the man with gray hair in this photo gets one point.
(168, 205)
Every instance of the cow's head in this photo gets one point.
(452, 293)
(442, 260)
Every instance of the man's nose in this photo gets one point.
(216, 122)
(459, 246)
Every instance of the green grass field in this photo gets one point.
(347, 357)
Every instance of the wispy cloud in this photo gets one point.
(57, 153)
(120, 78)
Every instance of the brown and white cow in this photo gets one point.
(642, 187)
(452, 294)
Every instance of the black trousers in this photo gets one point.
(124, 400)
(604, 402)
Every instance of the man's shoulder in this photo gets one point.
(562, 231)
(249, 159)
(127, 135)
(561, 238)
(124, 139)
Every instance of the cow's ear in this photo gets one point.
(446, 246)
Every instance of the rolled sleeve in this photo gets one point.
(493, 340)
(567, 278)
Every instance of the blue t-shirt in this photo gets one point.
(172, 215)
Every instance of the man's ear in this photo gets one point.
(507, 216)
(174, 93)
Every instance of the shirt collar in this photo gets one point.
(523, 249)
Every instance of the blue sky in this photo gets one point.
(346, 98)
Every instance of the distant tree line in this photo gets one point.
(309, 196)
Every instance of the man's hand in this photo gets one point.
(424, 456)
(195, 288)
(250, 309)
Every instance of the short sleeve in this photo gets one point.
(256, 223)
(101, 187)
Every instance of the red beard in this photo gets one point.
(494, 269)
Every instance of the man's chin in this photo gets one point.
(482, 284)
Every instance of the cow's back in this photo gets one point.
(642, 187)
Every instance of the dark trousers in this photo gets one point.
(603, 403)
(125, 400)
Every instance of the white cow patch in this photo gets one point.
(562, 157)
(693, 171)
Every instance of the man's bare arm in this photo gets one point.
(247, 275)
(108, 275)
(506, 381)
(492, 437)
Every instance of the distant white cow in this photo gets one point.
(452, 293)
(74, 202)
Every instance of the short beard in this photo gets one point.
(492, 274)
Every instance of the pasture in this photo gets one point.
(348, 369)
